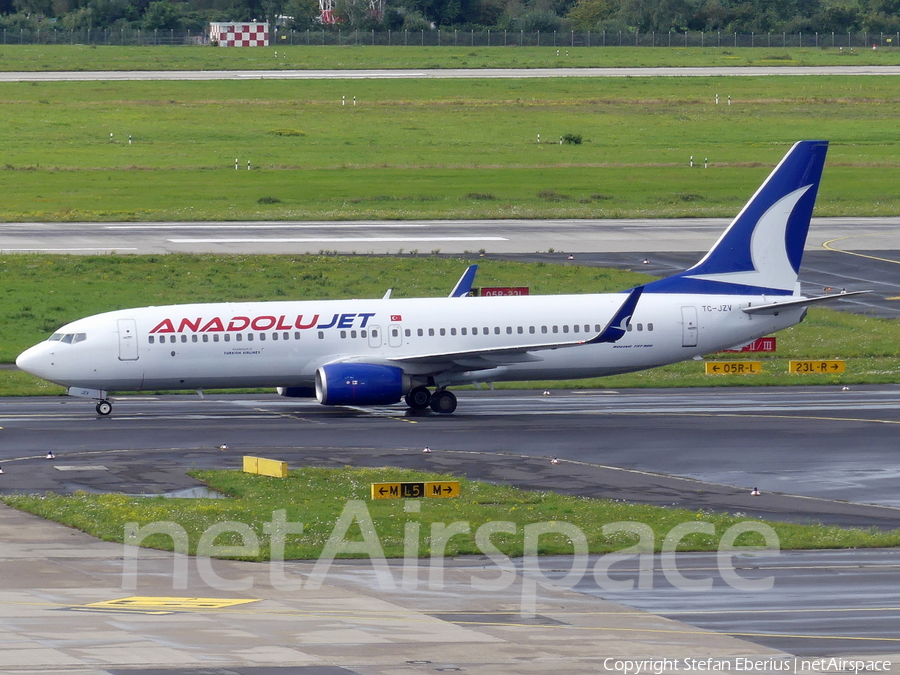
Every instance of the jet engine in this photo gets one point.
(360, 384)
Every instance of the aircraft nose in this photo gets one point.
(35, 361)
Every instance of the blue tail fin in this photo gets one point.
(761, 250)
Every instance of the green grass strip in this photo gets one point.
(317, 497)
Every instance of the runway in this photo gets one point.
(450, 237)
(445, 73)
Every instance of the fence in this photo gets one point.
(466, 38)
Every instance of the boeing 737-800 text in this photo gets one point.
(376, 352)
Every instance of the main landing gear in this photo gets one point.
(442, 401)
(104, 407)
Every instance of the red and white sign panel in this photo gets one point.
(240, 34)
(504, 290)
(766, 344)
(396, 317)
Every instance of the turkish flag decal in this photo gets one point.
(396, 317)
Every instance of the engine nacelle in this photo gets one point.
(360, 384)
(296, 392)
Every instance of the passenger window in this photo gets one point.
(496, 330)
(215, 338)
(374, 333)
(193, 338)
(474, 330)
(628, 327)
(249, 337)
(509, 330)
(262, 337)
(555, 329)
(183, 338)
(287, 336)
(597, 328)
(395, 332)
(520, 330)
(575, 328)
(206, 338)
(420, 332)
(640, 326)
(352, 333)
(649, 326)
(407, 332)
(565, 329)
(343, 334)
(238, 337)
(452, 331)
(296, 335)
(226, 337)
(363, 333)
(587, 328)
(543, 329)
(443, 331)
(486, 330)
(172, 338)
(431, 332)
(463, 331)
(531, 329)
(274, 336)
(151, 339)
(322, 334)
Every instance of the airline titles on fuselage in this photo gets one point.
(262, 323)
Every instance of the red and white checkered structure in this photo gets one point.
(240, 34)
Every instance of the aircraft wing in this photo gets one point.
(492, 357)
(775, 307)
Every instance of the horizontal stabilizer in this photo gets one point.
(776, 307)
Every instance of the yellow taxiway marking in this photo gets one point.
(828, 246)
(164, 604)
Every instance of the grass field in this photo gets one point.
(435, 149)
(86, 57)
(43, 292)
(316, 498)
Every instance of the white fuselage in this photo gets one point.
(281, 344)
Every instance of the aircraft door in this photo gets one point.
(374, 337)
(689, 327)
(128, 346)
(395, 335)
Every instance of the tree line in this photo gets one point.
(644, 16)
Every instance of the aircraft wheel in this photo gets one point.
(443, 402)
(418, 398)
(104, 408)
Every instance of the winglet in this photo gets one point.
(464, 285)
(618, 325)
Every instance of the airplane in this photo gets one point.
(374, 352)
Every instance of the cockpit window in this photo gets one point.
(68, 338)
